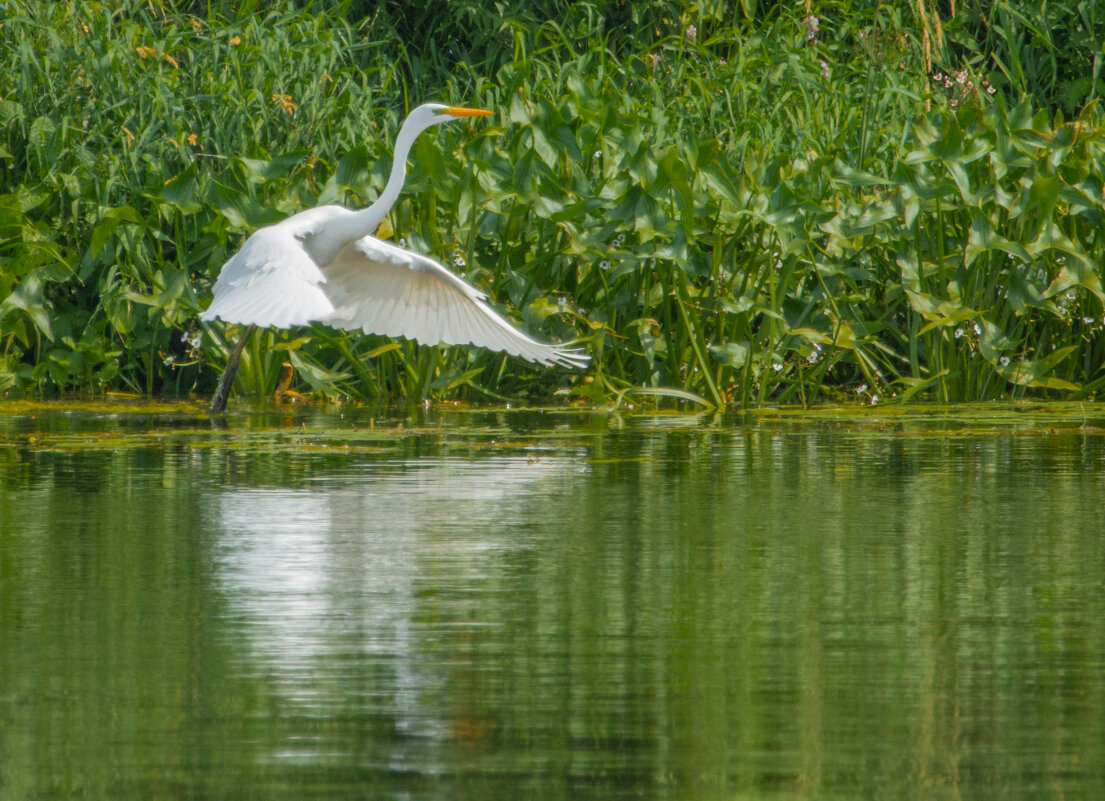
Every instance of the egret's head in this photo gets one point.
(436, 113)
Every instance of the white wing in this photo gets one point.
(383, 289)
(272, 281)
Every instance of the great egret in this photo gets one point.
(324, 265)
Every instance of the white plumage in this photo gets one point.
(323, 265)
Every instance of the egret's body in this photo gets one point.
(323, 265)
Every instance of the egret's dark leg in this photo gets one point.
(218, 403)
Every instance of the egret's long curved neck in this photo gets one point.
(368, 220)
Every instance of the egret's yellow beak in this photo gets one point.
(461, 111)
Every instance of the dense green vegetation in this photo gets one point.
(748, 201)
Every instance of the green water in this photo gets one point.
(563, 605)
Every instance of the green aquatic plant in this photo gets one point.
(746, 204)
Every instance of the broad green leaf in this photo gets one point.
(662, 392)
(28, 298)
(916, 385)
(982, 239)
(1033, 373)
(734, 354)
(180, 191)
(109, 221)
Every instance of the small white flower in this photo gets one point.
(691, 32)
(874, 399)
(184, 337)
(618, 240)
(1004, 361)
(861, 389)
(978, 330)
(1088, 320)
(170, 360)
(458, 260)
(777, 367)
(958, 333)
(604, 264)
(195, 342)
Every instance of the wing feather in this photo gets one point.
(451, 324)
(271, 282)
(383, 289)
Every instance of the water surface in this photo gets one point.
(552, 604)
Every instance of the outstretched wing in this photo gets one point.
(383, 289)
(271, 282)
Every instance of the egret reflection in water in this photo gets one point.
(332, 570)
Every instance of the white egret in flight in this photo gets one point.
(324, 265)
